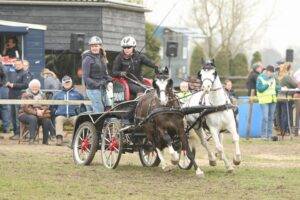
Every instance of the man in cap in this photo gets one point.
(257, 68)
(65, 113)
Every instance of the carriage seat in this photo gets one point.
(121, 88)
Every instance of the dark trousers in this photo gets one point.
(32, 122)
(285, 114)
(14, 110)
(4, 110)
(135, 89)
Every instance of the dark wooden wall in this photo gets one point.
(111, 24)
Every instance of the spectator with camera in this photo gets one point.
(11, 48)
(65, 113)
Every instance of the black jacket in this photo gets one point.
(11, 53)
(251, 81)
(94, 71)
(2, 76)
(20, 83)
(132, 65)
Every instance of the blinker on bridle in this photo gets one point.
(207, 68)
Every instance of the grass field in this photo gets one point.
(270, 170)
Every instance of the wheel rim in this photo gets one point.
(149, 157)
(111, 145)
(82, 145)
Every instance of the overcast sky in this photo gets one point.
(283, 30)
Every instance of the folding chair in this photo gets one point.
(24, 133)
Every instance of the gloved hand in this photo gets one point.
(123, 73)
(109, 79)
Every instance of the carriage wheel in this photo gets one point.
(85, 144)
(111, 144)
(148, 156)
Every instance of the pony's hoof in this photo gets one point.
(174, 162)
(200, 174)
(213, 163)
(168, 168)
(230, 170)
(237, 160)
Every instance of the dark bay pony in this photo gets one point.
(164, 121)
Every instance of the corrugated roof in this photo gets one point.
(101, 3)
(19, 24)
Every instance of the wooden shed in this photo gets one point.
(108, 19)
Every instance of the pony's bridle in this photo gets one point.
(212, 81)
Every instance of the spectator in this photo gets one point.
(26, 66)
(19, 83)
(129, 62)
(297, 96)
(288, 82)
(33, 115)
(65, 113)
(228, 89)
(267, 88)
(194, 84)
(232, 96)
(4, 109)
(257, 68)
(51, 82)
(184, 93)
(11, 49)
(95, 76)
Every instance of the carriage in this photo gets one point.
(116, 132)
(119, 130)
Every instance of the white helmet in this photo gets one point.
(128, 41)
(95, 40)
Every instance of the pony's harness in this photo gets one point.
(203, 111)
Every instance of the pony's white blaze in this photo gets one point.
(213, 94)
(207, 82)
(162, 86)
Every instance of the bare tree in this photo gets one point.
(226, 23)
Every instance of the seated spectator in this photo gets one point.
(11, 48)
(65, 113)
(33, 115)
(184, 93)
